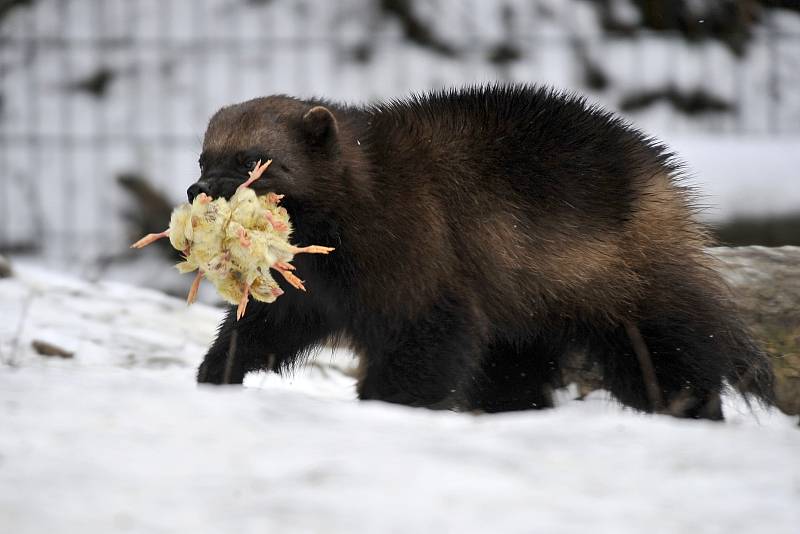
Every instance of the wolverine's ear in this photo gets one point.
(320, 125)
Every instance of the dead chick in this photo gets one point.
(234, 243)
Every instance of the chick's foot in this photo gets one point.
(243, 302)
(195, 286)
(311, 249)
(150, 238)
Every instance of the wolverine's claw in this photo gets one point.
(150, 238)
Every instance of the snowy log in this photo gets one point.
(766, 285)
(5, 267)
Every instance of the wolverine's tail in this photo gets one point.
(697, 344)
(699, 317)
(750, 369)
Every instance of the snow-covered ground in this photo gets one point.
(119, 438)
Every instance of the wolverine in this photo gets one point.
(482, 235)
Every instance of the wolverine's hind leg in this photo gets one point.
(687, 375)
(517, 376)
(696, 344)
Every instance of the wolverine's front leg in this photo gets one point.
(269, 336)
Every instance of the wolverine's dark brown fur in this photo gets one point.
(480, 235)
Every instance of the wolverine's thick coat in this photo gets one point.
(480, 235)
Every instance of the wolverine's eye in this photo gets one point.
(248, 162)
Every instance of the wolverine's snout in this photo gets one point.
(198, 187)
(214, 186)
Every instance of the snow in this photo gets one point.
(119, 438)
(741, 176)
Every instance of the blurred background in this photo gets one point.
(103, 103)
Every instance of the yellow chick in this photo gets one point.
(266, 289)
(246, 209)
(234, 243)
(179, 219)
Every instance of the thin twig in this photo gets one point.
(15, 346)
(646, 363)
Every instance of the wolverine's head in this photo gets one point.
(300, 138)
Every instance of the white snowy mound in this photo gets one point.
(119, 438)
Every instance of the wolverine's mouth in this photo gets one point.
(214, 187)
(223, 182)
(224, 186)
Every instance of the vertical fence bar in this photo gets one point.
(739, 81)
(266, 64)
(32, 101)
(163, 147)
(199, 47)
(134, 94)
(773, 82)
(67, 231)
(5, 180)
(100, 234)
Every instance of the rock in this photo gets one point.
(48, 349)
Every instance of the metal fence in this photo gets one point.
(90, 89)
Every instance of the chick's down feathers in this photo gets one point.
(234, 243)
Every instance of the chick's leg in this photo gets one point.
(290, 277)
(195, 286)
(280, 226)
(243, 302)
(244, 240)
(312, 249)
(256, 173)
(284, 266)
(150, 238)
